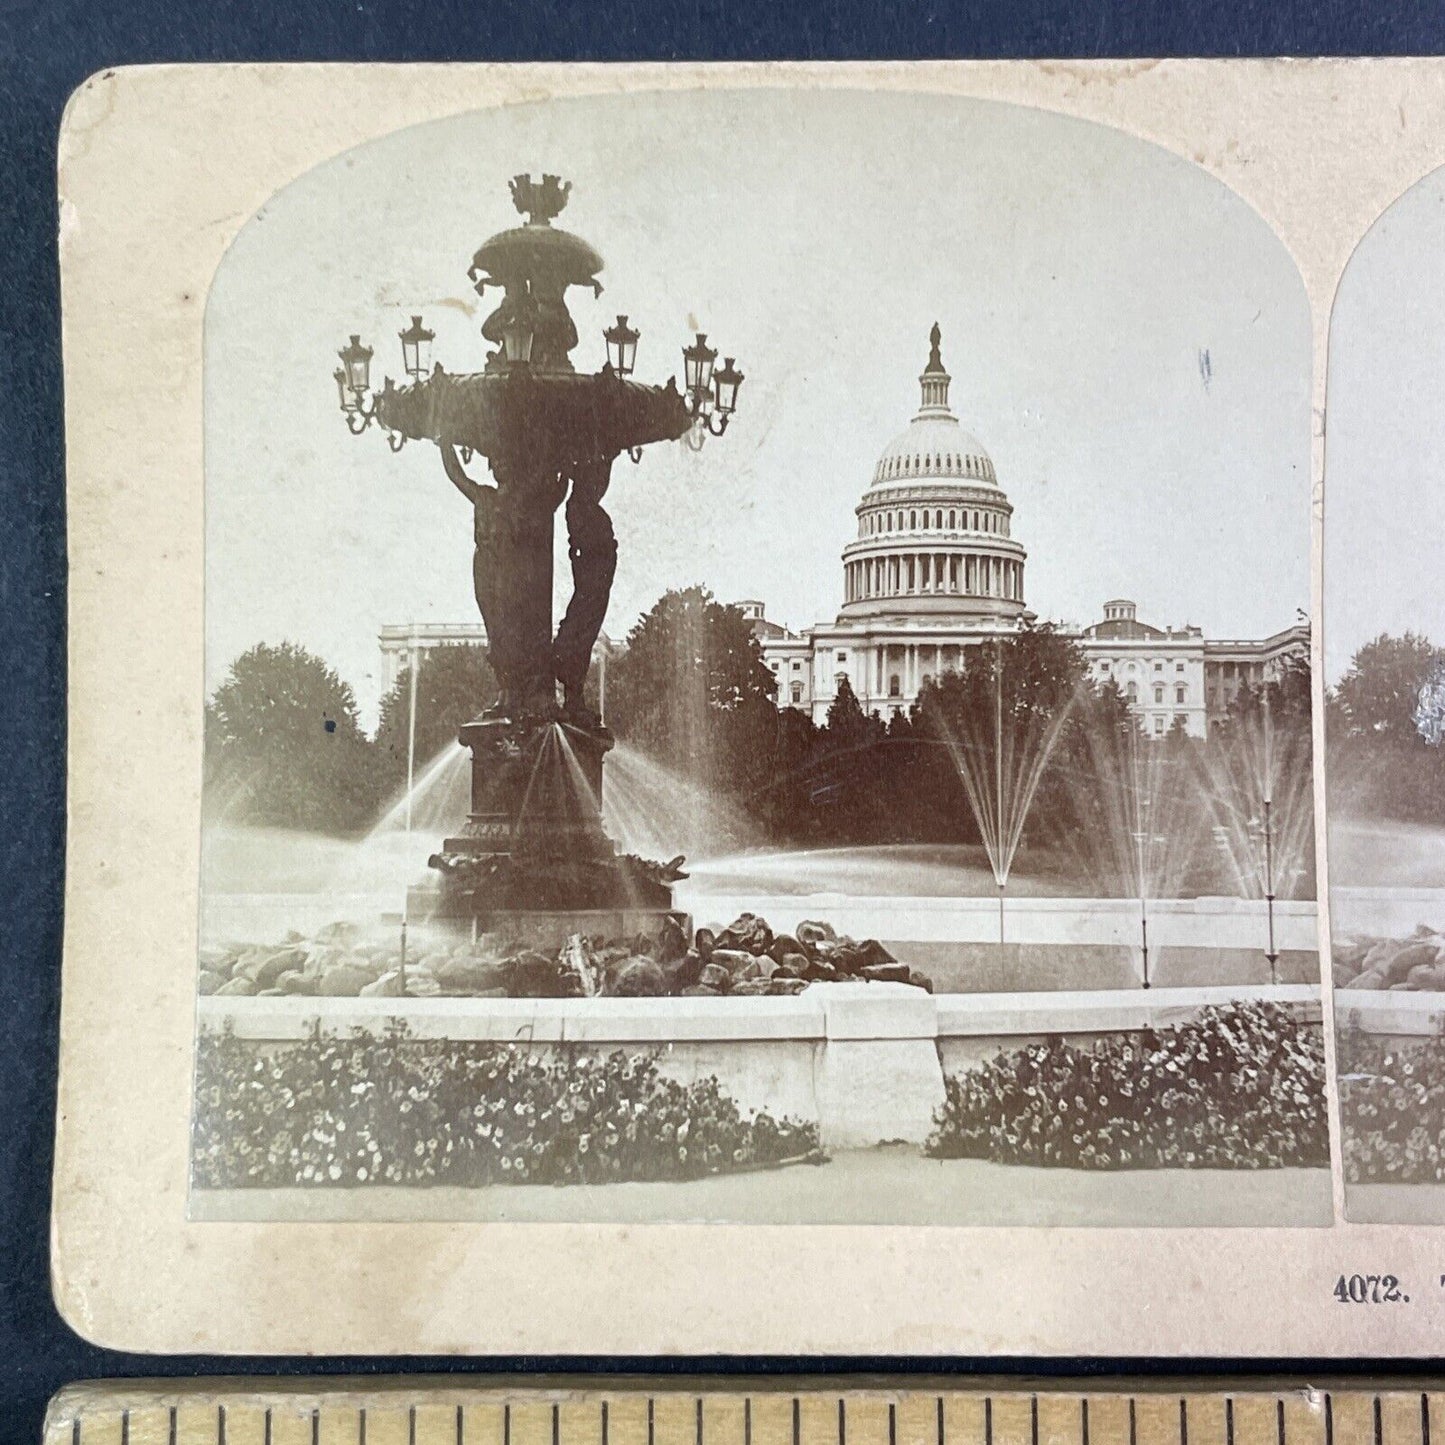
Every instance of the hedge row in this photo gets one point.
(1241, 1087)
(1392, 1109)
(390, 1109)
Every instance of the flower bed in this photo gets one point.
(744, 959)
(1413, 964)
(1241, 1087)
(1392, 1109)
(390, 1109)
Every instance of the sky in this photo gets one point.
(1384, 491)
(1128, 340)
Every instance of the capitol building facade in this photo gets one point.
(935, 569)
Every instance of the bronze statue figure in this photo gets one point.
(592, 548)
(512, 579)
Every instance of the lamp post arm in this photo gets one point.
(456, 474)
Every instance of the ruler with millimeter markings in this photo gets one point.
(745, 1412)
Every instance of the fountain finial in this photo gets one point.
(541, 204)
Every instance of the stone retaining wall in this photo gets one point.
(1393, 1013)
(866, 1061)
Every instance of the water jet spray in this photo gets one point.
(1001, 768)
(410, 790)
(1272, 953)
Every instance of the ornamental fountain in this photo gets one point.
(533, 854)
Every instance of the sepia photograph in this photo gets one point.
(757, 665)
(1384, 637)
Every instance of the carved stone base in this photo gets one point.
(534, 842)
(475, 884)
(536, 790)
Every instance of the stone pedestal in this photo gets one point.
(534, 861)
(536, 789)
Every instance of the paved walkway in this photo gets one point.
(890, 1185)
(1395, 1203)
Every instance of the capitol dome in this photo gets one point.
(934, 525)
(934, 447)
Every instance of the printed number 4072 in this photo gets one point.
(1369, 1289)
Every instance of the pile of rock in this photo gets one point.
(337, 962)
(1415, 964)
(747, 957)
(744, 959)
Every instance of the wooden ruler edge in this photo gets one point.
(328, 1391)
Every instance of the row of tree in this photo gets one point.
(1021, 721)
(1020, 751)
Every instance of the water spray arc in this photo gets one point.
(998, 770)
(1142, 841)
(1144, 820)
(1271, 953)
(413, 662)
(1262, 803)
(1001, 764)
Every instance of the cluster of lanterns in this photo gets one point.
(712, 390)
(353, 376)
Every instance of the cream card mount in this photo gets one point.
(845, 883)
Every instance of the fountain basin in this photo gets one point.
(1184, 922)
(1054, 943)
(1387, 911)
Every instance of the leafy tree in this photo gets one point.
(900, 727)
(1020, 685)
(1379, 763)
(454, 683)
(690, 688)
(1376, 697)
(779, 782)
(1285, 700)
(852, 737)
(848, 773)
(284, 747)
(846, 719)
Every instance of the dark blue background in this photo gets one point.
(46, 49)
